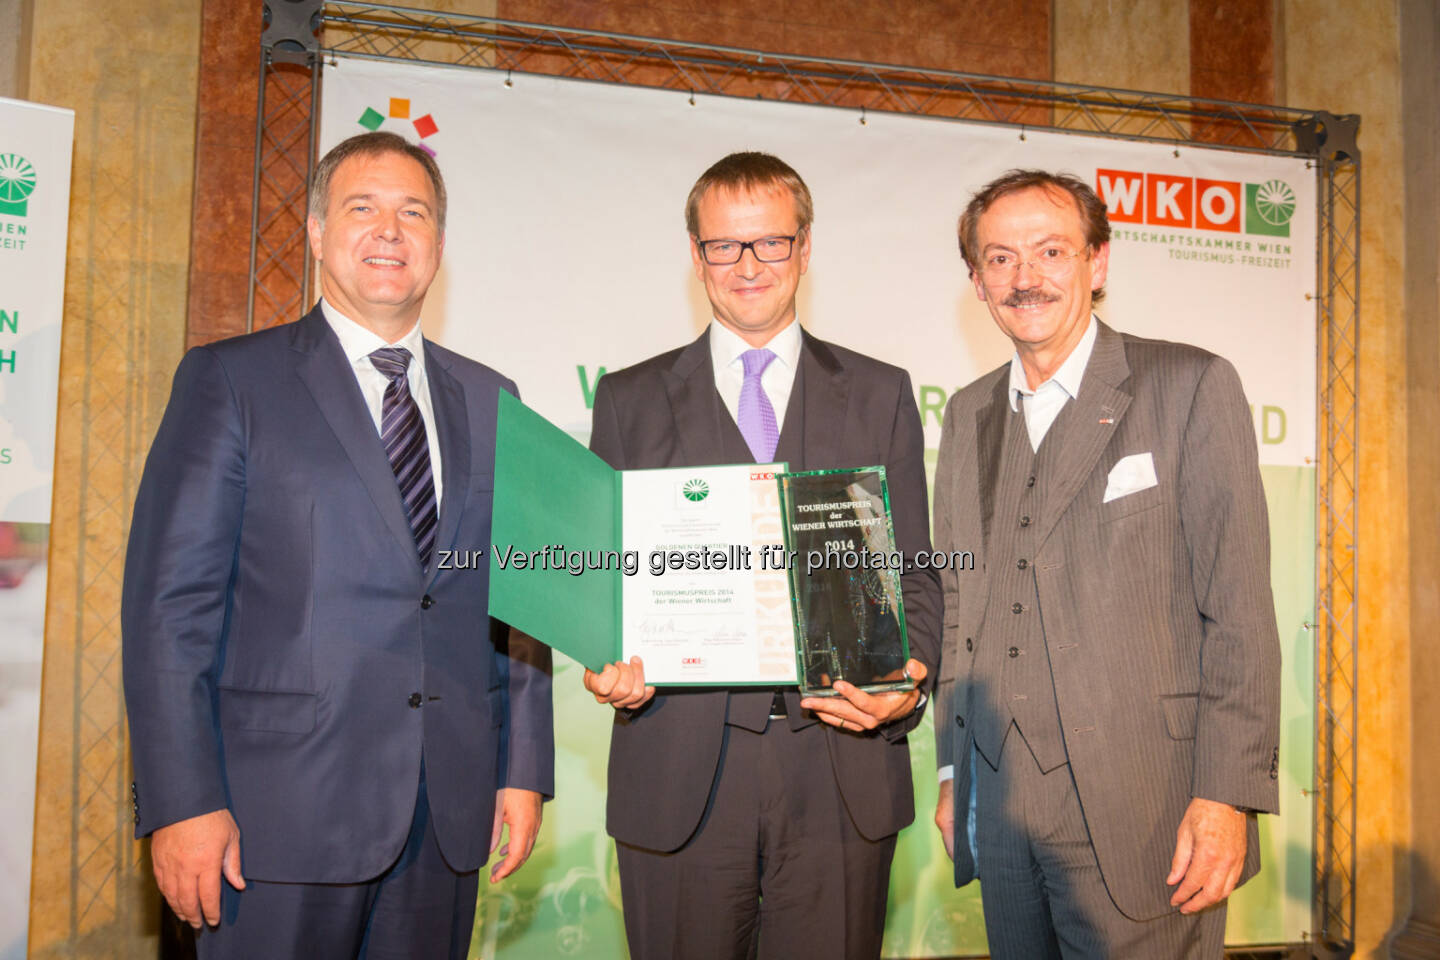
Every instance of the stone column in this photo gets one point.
(127, 68)
(1418, 937)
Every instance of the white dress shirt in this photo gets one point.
(1044, 403)
(777, 381)
(358, 343)
(1042, 406)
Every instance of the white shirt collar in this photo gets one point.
(1067, 378)
(357, 342)
(726, 345)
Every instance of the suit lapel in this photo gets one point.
(989, 448)
(791, 448)
(1097, 413)
(322, 367)
(690, 386)
(452, 425)
(826, 393)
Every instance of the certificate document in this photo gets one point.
(709, 607)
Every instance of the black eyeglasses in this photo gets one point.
(720, 253)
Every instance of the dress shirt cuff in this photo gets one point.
(946, 772)
(893, 730)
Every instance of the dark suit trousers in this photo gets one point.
(775, 870)
(1043, 893)
(419, 907)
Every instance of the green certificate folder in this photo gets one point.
(553, 497)
(688, 567)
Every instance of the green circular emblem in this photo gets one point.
(17, 178)
(1275, 202)
(696, 489)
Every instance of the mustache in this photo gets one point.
(1025, 298)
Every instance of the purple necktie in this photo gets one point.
(402, 431)
(757, 417)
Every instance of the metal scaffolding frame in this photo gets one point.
(293, 52)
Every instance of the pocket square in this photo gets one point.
(1130, 475)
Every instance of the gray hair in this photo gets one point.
(1093, 218)
(372, 145)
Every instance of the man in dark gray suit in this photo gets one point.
(305, 682)
(1109, 698)
(743, 827)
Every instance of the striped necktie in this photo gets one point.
(402, 431)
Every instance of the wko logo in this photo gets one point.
(1196, 203)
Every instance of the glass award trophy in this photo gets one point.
(844, 580)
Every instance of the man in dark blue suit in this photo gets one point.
(319, 709)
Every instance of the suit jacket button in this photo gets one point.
(1025, 520)
(1022, 563)
(959, 721)
(427, 602)
(1017, 607)
(1014, 652)
(969, 644)
(415, 699)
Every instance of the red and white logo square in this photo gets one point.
(1169, 200)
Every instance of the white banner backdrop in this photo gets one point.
(35, 146)
(34, 216)
(1210, 247)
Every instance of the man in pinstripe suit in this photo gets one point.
(1108, 706)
